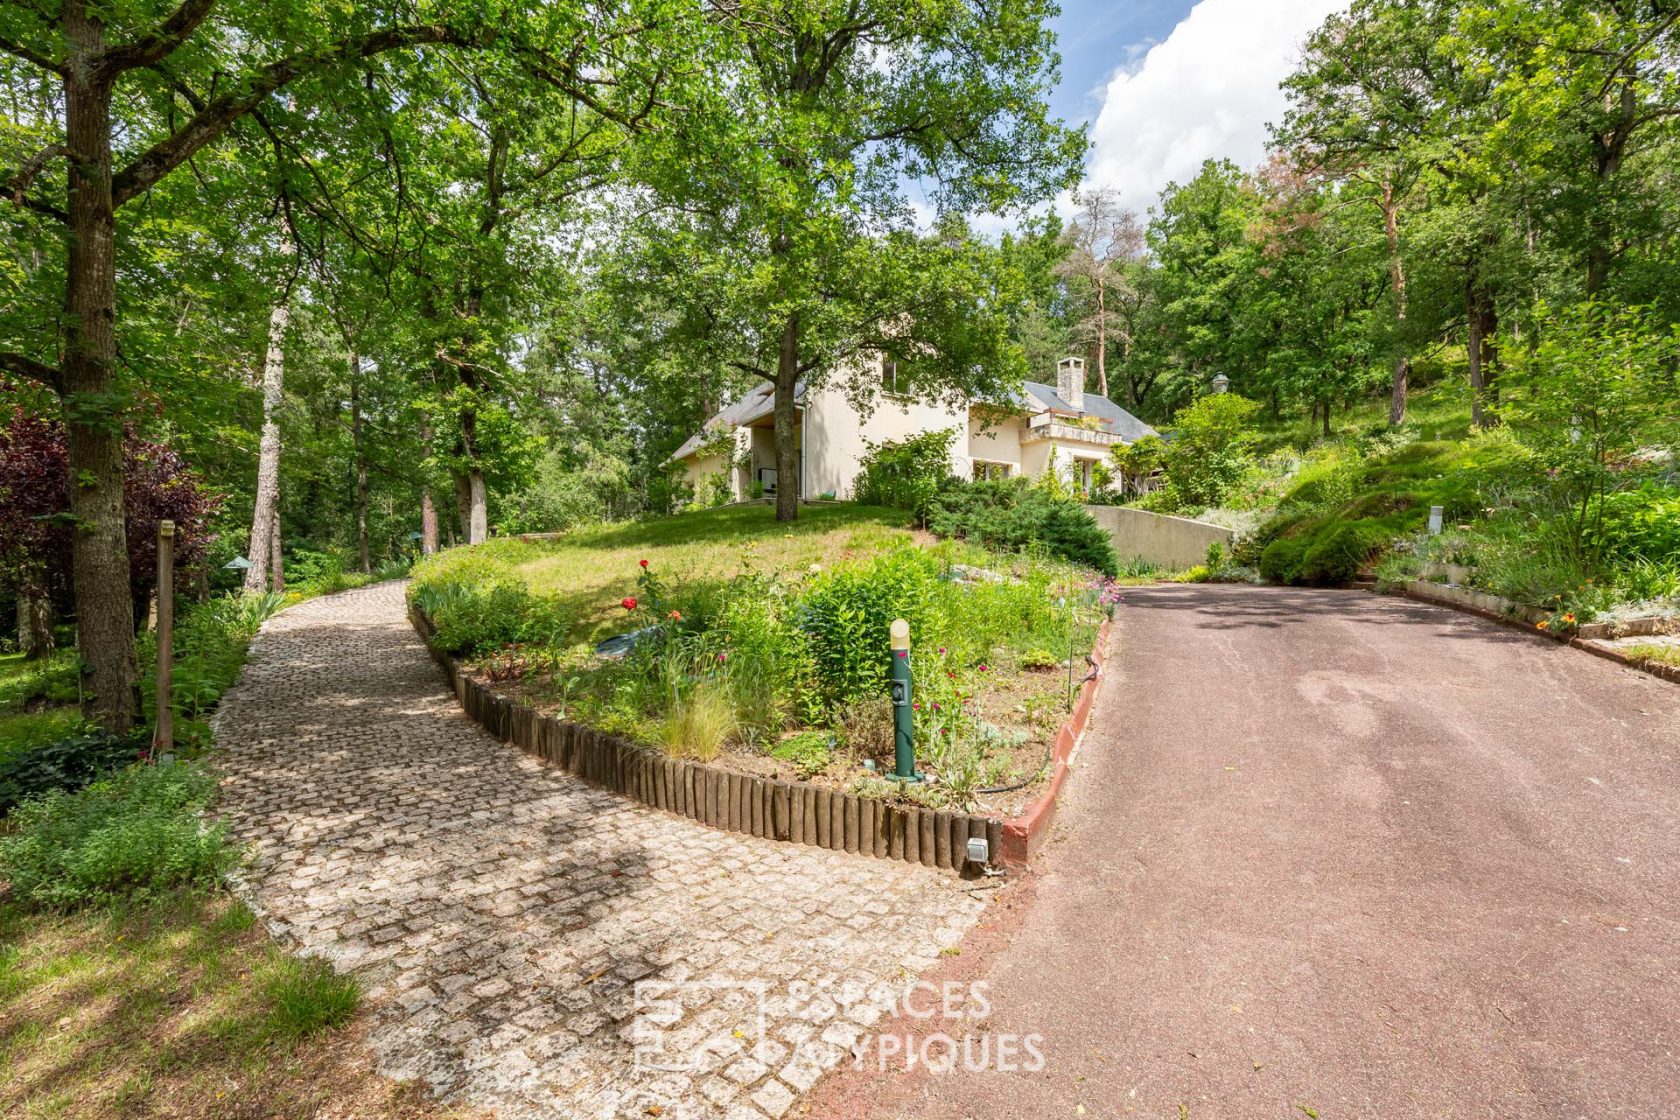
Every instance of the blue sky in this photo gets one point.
(1098, 37)
(1167, 84)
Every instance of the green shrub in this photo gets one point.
(1338, 555)
(808, 752)
(1282, 560)
(907, 474)
(1639, 524)
(478, 601)
(1013, 515)
(132, 835)
(65, 764)
(846, 611)
(1210, 450)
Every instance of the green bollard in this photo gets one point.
(904, 736)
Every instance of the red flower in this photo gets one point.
(644, 563)
(628, 602)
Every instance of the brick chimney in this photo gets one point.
(1070, 382)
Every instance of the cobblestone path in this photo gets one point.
(530, 944)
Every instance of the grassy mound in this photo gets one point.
(1339, 516)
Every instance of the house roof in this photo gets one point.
(759, 401)
(1121, 422)
(755, 404)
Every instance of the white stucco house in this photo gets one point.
(1023, 435)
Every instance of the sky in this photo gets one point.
(1166, 84)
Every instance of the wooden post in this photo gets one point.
(163, 737)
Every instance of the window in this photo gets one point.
(1085, 466)
(984, 470)
(895, 379)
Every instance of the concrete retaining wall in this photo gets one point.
(1166, 542)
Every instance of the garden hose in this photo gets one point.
(1049, 750)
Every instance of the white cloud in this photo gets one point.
(1205, 92)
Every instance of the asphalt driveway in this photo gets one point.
(1329, 854)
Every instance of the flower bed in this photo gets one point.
(781, 674)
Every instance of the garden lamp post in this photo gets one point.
(163, 735)
(1221, 383)
(904, 740)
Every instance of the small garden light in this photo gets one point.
(904, 734)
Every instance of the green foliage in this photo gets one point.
(1639, 524)
(809, 752)
(1012, 514)
(907, 474)
(478, 601)
(846, 612)
(1598, 387)
(1283, 560)
(211, 639)
(1210, 449)
(698, 720)
(1140, 458)
(65, 764)
(1343, 512)
(134, 834)
(1342, 551)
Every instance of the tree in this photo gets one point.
(1198, 239)
(140, 96)
(1210, 449)
(1361, 101)
(786, 212)
(1597, 388)
(1104, 242)
(37, 533)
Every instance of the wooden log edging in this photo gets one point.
(793, 812)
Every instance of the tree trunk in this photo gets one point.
(34, 618)
(478, 509)
(1609, 146)
(1483, 354)
(786, 423)
(428, 507)
(1102, 340)
(463, 504)
(1326, 407)
(263, 516)
(361, 461)
(279, 572)
(93, 428)
(1397, 281)
(428, 523)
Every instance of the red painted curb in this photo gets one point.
(1024, 835)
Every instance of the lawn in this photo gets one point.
(131, 985)
(589, 572)
(37, 700)
(764, 644)
(181, 1008)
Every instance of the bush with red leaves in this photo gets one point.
(35, 524)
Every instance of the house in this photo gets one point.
(1037, 427)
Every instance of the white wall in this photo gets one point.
(835, 432)
(995, 437)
